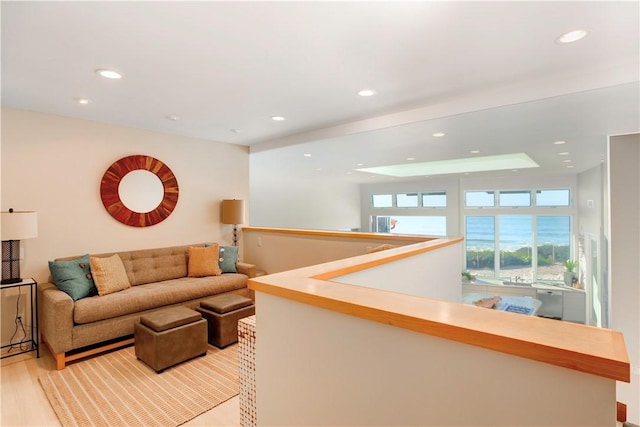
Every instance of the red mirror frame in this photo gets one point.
(111, 199)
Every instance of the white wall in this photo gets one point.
(329, 369)
(434, 274)
(308, 202)
(53, 165)
(624, 248)
(591, 205)
(590, 189)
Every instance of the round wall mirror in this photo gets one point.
(139, 191)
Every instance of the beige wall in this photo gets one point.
(276, 252)
(624, 250)
(53, 165)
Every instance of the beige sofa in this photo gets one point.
(158, 277)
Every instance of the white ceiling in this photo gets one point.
(488, 74)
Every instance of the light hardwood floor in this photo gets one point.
(23, 403)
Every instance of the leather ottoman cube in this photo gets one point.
(170, 336)
(222, 313)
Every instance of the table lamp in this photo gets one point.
(233, 213)
(16, 226)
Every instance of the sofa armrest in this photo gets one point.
(55, 311)
(246, 269)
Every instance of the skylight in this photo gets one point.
(465, 165)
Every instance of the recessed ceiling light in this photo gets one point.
(560, 142)
(360, 164)
(569, 166)
(564, 153)
(566, 161)
(572, 36)
(83, 101)
(172, 118)
(411, 158)
(366, 92)
(307, 155)
(278, 118)
(475, 151)
(109, 74)
(514, 170)
(438, 134)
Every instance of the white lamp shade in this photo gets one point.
(19, 225)
(232, 211)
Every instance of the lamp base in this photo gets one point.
(11, 261)
(235, 234)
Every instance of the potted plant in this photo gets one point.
(569, 274)
(466, 277)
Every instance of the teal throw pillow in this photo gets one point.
(228, 259)
(74, 277)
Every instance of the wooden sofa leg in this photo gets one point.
(59, 357)
(60, 361)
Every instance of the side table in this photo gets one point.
(32, 341)
(247, 376)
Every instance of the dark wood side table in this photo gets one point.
(33, 341)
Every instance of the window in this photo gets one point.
(514, 198)
(517, 198)
(422, 225)
(526, 247)
(554, 237)
(434, 200)
(552, 198)
(382, 200)
(515, 241)
(481, 243)
(408, 200)
(479, 199)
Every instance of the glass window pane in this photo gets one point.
(553, 237)
(476, 199)
(515, 198)
(480, 245)
(516, 240)
(552, 198)
(407, 200)
(434, 200)
(423, 225)
(382, 200)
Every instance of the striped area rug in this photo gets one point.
(116, 389)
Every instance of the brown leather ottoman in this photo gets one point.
(222, 313)
(170, 336)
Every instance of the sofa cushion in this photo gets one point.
(228, 259)
(155, 265)
(203, 261)
(109, 274)
(73, 277)
(154, 295)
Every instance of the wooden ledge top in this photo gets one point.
(583, 348)
(345, 234)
